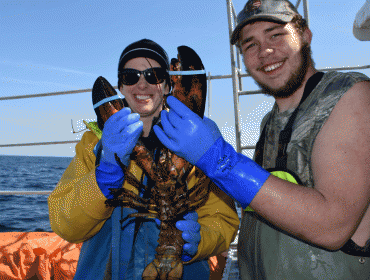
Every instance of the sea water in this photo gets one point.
(28, 173)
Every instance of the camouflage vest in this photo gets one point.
(265, 252)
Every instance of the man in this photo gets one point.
(116, 247)
(312, 220)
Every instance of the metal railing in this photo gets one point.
(236, 94)
(25, 192)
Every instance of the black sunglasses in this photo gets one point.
(153, 76)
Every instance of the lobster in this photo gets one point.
(170, 197)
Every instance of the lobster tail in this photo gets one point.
(105, 100)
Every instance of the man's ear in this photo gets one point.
(307, 36)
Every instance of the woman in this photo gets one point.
(78, 213)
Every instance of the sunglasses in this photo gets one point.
(153, 76)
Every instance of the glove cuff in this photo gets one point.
(108, 175)
(186, 258)
(237, 175)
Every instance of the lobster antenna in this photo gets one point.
(73, 131)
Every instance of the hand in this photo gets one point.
(184, 132)
(190, 233)
(120, 134)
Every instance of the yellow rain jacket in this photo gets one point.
(77, 210)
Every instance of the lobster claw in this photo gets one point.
(189, 79)
(105, 100)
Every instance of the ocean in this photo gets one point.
(28, 173)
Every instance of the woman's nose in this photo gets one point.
(142, 82)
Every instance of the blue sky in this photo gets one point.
(49, 46)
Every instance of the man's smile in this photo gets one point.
(272, 68)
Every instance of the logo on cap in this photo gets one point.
(255, 5)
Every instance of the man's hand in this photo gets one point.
(199, 141)
(184, 132)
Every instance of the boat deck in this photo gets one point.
(231, 271)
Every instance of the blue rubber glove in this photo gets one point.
(190, 233)
(120, 135)
(184, 132)
(200, 142)
(237, 175)
(108, 176)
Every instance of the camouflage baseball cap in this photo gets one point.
(271, 10)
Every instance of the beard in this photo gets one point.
(295, 80)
